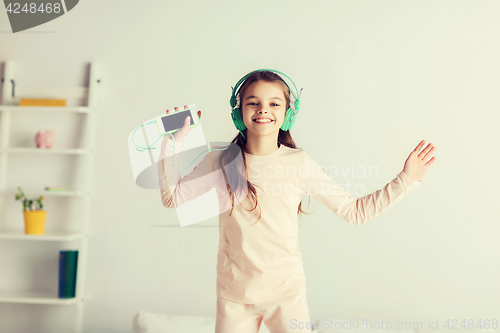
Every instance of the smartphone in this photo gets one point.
(173, 121)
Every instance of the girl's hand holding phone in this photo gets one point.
(178, 135)
(184, 131)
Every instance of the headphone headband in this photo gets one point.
(296, 96)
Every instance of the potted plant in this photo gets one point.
(34, 217)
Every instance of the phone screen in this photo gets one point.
(176, 120)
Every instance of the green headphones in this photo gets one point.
(291, 113)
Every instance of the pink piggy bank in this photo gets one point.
(44, 139)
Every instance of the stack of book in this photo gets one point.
(41, 102)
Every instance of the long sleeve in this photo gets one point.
(175, 190)
(318, 184)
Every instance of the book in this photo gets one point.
(41, 102)
(68, 263)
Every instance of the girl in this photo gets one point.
(260, 274)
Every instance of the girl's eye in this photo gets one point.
(256, 103)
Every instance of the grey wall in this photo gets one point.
(378, 77)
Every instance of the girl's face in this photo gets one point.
(266, 101)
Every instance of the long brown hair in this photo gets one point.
(235, 175)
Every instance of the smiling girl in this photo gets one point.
(260, 275)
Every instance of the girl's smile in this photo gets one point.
(261, 120)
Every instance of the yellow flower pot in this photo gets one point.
(34, 222)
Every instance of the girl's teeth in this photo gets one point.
(263, 121)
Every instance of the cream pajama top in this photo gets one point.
(261, 262)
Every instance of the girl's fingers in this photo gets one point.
(419, 146)
(431, 161)
(429, 153)
(424, 152)
(177, 109)
(427, 150)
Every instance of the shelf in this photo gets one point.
(68, 109)
(34, 150)
(82, 102)
(34, 297)
(47, 193)
(51, 236)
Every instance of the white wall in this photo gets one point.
(378, 77)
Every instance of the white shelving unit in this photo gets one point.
(10, 107)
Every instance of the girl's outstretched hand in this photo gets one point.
(417, 163)
(184, 131)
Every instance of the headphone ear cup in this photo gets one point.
(297, 105)
(289, 120)
(292, 121)
(237, 120)
(232, 101)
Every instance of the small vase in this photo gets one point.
(34, 222)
